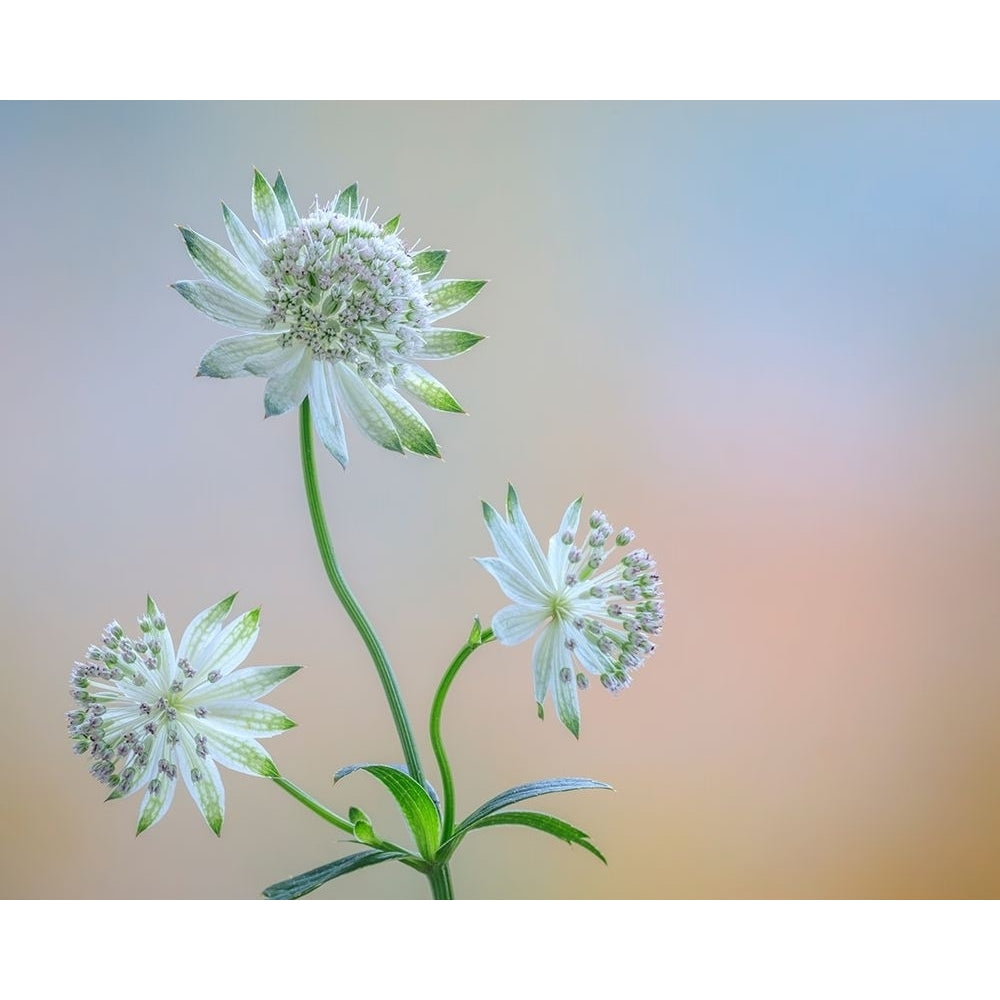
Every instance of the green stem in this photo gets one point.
(447, 785)
(348, 600)
(310, 803)
(441, 883)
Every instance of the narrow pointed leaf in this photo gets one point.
(300, 885)
(448, 296)
(285, 201)
(441, 343)
(347, 201)
(402, 768)
(391, 226)
(428, 389)
(416, 805)
(521, 792)
(539, 821)
(428, 263)
(218, 264)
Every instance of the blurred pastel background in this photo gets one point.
(767, 337)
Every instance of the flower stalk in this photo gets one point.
(349, 601)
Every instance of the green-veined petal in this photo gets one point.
(232, 646)
(156, 802)
(347, 201)
(229, 357)
(266, 210)
(218, 264)
(564, 689)
(512, 583)
(204, 627)
(509, 548)
(428, 263)
(558, 549)
(239, 753)
(245, 718)
(287, 388)
(203, 782)
(521, 528)
(224, 306)
(413, 431)
(365, 408)
(448, 296)
(326, 411)
(248, 248)
(544, 660)
(164, 652)
(245, 684)
(281, 192)
(420, 383)
(514, 623)
(442, 343)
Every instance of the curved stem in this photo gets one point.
(348, 600)
(447, 785)
(310, 803)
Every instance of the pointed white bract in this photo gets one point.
(333, 306)
(149, 716)
(598, 619)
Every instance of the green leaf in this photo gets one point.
(440, 343)
(529, 791)
(428, 389)
(347, 201)
(416, 805)
(363, 829)
(266, 210)
(285, 201)
(447, 297)
(391, 226)
(539, 821)
(428, 263)
(300, 885)
(476, 634)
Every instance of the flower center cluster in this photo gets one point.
(127, 703)
(615, 611)
(348, 291)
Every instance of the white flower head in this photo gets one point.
(599, 619)
(332, 306)
(148, 716)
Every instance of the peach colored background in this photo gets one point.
(765, 336)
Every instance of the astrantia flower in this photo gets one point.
(601, 619)
(148, 716)
(334, 307)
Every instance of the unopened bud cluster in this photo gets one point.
(347, 290)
